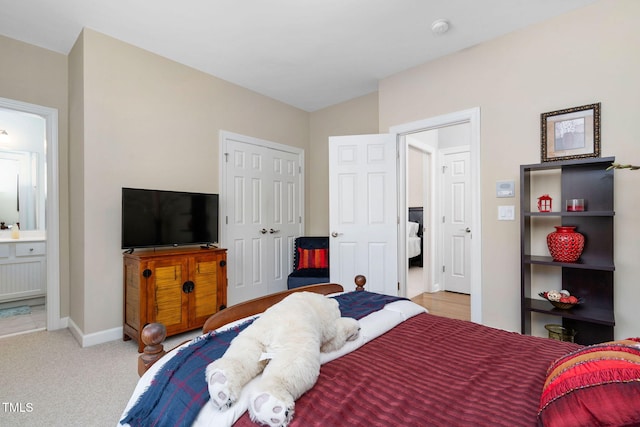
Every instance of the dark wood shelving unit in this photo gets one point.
(591, 277)
(568, 214)
(580, 312)
(547, 260)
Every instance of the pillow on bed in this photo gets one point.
(313, 258)
(595, 385)
(413, 228)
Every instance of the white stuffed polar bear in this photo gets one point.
(284, 343)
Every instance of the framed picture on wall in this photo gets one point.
(572, 133)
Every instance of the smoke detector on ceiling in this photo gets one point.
(440, 26)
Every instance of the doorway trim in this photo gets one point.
(50, 115)
(471, 116)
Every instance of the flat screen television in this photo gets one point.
(153, 218)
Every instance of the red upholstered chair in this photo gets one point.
(310, 262)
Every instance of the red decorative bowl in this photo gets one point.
(558, 304)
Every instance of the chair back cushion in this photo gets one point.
(311, 252)
(313, 258)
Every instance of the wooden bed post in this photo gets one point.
(152, 336)
(360, 281)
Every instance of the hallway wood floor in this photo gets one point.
(446, 304)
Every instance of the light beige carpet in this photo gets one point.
(47, 379)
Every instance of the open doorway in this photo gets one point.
(420, 248)
(426, 139)
(444, 151)
(38, 214)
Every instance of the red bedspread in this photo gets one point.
(432, 371)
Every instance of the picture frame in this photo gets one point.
(571, 133)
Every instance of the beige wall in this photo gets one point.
(76, 182)
(582, 57)
(355, 117)
(148, 122)
(39, 76)
(415, 180)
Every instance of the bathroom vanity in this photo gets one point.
(22, 266)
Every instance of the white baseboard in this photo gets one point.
(63, 323)
(88, 340)
(435, 288)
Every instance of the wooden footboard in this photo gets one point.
(154, 334)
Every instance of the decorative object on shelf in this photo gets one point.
(561, 299)
(15, 231)
(575, 205)
(619, 166)
(571, 133)
(544, 203)
(565, 244)
(560, 333)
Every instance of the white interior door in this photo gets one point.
(363, 214)
(457, 220)
(262, 215)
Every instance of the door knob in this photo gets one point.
(468, 230)
(335, 234)
(263, 231)
(271, 230)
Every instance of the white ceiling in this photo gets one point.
(306, 53)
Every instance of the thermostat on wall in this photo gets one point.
(505, 188)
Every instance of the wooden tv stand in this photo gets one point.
(178, 287)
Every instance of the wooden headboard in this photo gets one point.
(417, 215)
(154, 334)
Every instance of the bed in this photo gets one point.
(410, 367)
(415, 231)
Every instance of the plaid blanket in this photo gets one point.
(179, 390)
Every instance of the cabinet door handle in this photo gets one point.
(188, 286)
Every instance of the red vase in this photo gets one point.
(565, 244)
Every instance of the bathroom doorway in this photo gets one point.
(30, 261)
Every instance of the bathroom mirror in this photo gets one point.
(21, 189)
(23, 169)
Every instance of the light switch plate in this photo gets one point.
(506, 213)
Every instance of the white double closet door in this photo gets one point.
(261, 214)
